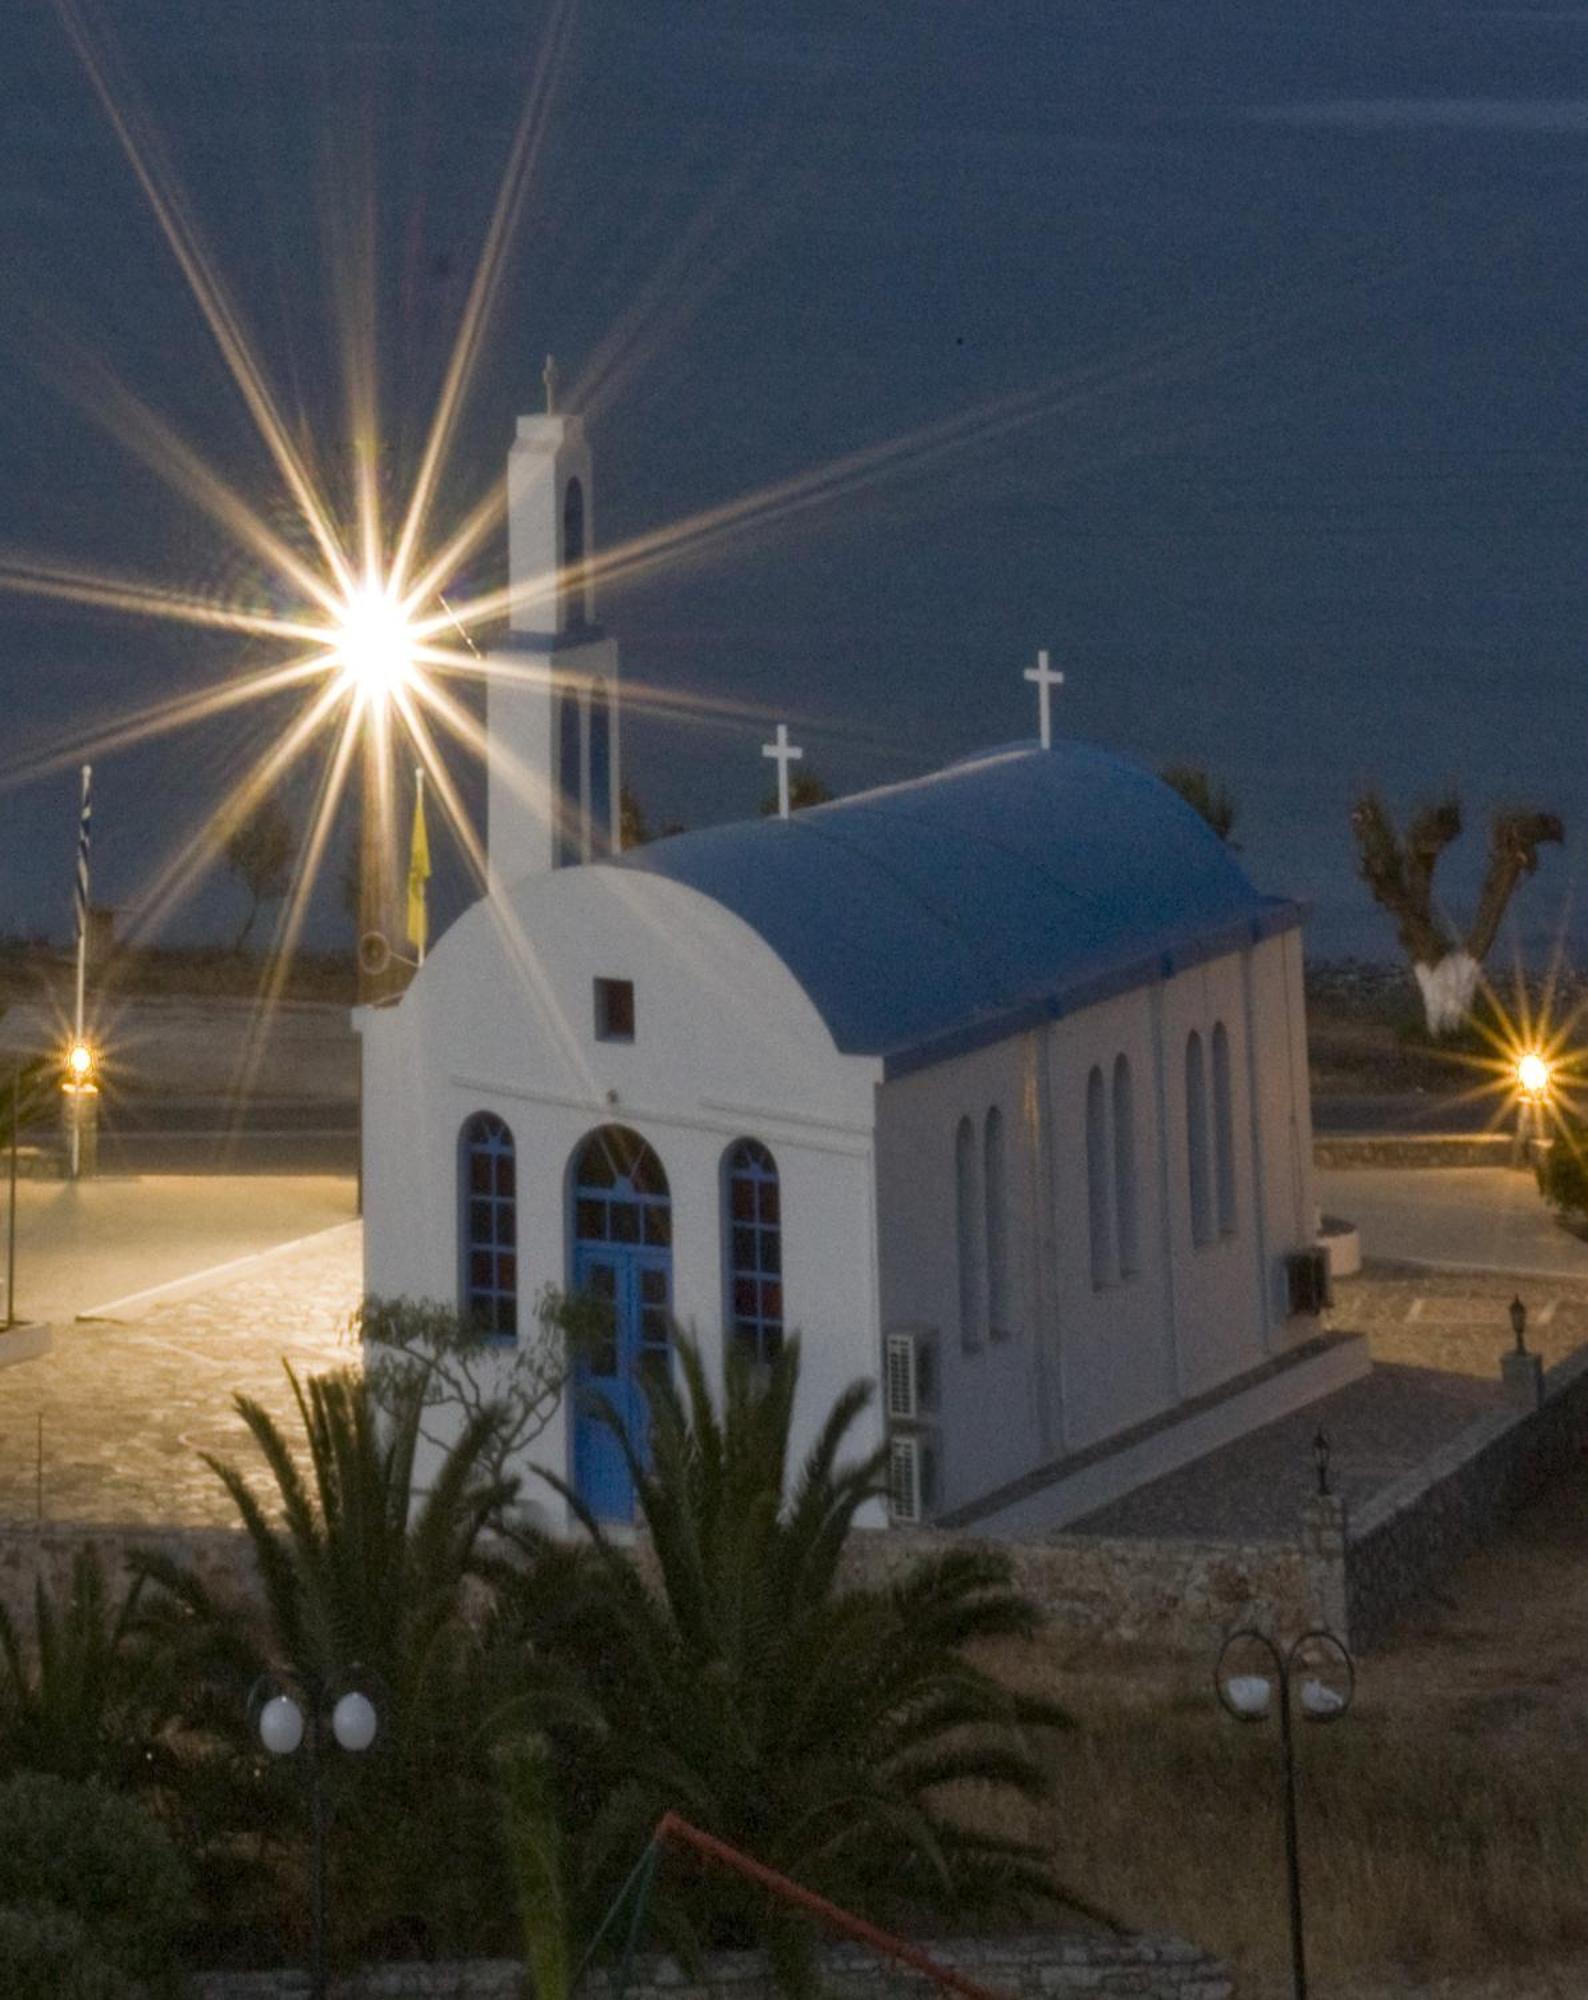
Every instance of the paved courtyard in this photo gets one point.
(90, 1246)
(1457, 1218)
(127, 1404)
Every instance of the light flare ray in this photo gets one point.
(170, 210)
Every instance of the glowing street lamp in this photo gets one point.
(80, 1104)
(1534, 1074)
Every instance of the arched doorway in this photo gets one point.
(622, 1257)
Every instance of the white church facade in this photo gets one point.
(991, 1084)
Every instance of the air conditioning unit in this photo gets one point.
(1307, 1280)
(902, 1384)
(909, 1369)
(909, 1480)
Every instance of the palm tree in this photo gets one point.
(826, 1729)
(89, 1699)
(1213, 801)
(365, 1576)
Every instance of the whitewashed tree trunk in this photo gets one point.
(1448, 991)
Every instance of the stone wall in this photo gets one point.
(1416, 1531)
(221, 1556)
(1031, 1966)
(1356, 1575)
(1180, 1595)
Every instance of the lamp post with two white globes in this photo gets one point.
(1319, 1667)
(286, 1724)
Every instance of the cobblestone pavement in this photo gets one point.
(128, 1405)
(1436, 1340)
(1378, 1429)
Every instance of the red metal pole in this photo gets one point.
(671, 1827)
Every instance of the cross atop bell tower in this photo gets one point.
(552, 701)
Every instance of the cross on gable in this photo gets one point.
(1046, 681)
(785, 754)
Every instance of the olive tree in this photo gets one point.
(1399, 873)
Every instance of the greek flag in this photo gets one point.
(84, 827)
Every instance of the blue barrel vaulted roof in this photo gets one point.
(935, 916)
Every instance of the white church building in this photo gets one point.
(991, 1084)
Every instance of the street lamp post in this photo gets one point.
(284, 1729)
(11, 1202)
(1327, 1684)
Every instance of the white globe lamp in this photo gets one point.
(281, 1725)
(354, 1722)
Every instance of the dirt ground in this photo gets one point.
(1495, 1671)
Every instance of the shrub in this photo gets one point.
(80, 1851)
(87, 1699)
(1563, 1168)
(48, 1955)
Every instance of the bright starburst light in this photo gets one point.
(375, 644)
(372, 622)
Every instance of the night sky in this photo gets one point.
(1301, 288)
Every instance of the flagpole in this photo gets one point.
(84, 824)
(82, 903)
(419, 806)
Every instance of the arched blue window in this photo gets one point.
(1223, 1130)
(489, 1227)
(754, 1249)
(570, 785)
(600, 771)
(970, 1225)
(1098, 1191)
(1126, 1232)
(1000, 1306)
(1196, 1139)
(573, 572)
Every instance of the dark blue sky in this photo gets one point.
(1306, 284)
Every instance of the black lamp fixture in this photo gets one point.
(1320, 1458)
(1519, 1324)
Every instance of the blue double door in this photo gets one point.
(623, 1264)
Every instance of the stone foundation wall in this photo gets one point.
(1034, 1966)
(221, 1556)
(1416, 1531)
(1356, 1575)
(1180, 1595)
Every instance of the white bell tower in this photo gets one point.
(551, 715)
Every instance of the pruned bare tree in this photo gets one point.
(417, 1347)
(1399, 872)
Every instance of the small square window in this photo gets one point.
(614, 1010)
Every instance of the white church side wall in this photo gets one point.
(991, 1382)
(1220, 1320)
(1138, 1280)
(1278, 1015)
(725, 1047)
(1115, 1300)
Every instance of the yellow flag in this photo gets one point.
(418, 875)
